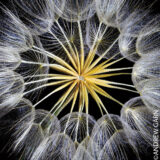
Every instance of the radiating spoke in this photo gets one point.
(54, 91)
(45, 85)
(107, 75)
(82, 46)
(72, 107)
(56, 58)
(102, 92)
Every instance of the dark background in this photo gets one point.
(111, 106)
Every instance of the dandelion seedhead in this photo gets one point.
(70, 49)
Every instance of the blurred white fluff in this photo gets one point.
(14, 35)
(32, 129)
(107, 10)
(146, 68)
(77, 126)
(38, 15)
(151, 93)
(149, 37)
(9, 60)
(139, 117)
(12, 87)
(77, 10)
(57, 146)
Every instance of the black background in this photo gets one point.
(112, 107)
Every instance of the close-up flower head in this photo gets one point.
(79, 80)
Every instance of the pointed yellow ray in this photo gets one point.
(95, 67)
(62, 62)
(111, 63)
(54, 91)
(69, 56)
(63, 105)
(95, 96)
(77, 60)
(62, 69)
(82, 45)
(74, 99)
(64, 96)
(69, 44)
(92, 51)
(105, 83)
(100, 57)
(63, 76)
(45, 85)
(107, 75)
(113, 70)
(93, 71)
(81, 97)
(103, 69)
(100, 103)
(75, 94)
(90, 57)
(86, 100)
(56, 58)
(105, 94)
(54, 77)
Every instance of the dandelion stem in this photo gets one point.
(56, 58)
(82, 45)
(106, 75)
(54, 91)
(55, 77)
(98, 59)
(66, 51)
(93, 46)
(99, 103)
(69, 44)
(45, 85)
(72, 107)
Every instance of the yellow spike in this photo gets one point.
(90, 57)
(62, 69)
(77, 60)
(54, 91)
(62, 99)
(102, 92)
(86, 98)
(57, 83)
(75, 94)
(107, 75)
(100, 57)
(62, 62)
(63, 105)
(82, 46)
(81, 99)
(93, 71)
(106, 83)
(70, 47)
(101, 105)
(66, 51)
(95, 97)
(92, 51)
(74, 99)
(61, 76)
(86, 106)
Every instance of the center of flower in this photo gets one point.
(81, 78)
